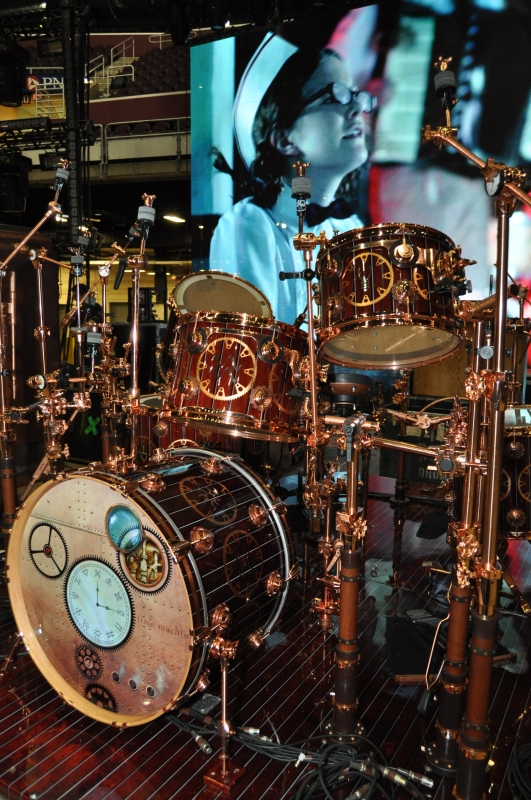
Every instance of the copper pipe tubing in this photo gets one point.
(69, 316)
(474, 745)
(452, 142)
(406, 447)
(347, 650)
(9, 487)
(52, 209)
(443, 753)
(473, 309)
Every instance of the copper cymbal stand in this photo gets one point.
(441, 756)
(145, 220)
(479, 556)
(351, 526)
(7, 435)
(317, 495)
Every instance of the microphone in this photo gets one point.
(122, 264)
(284, 276)
(445, 84)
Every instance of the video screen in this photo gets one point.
(349, 94)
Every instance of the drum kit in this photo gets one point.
(130, 577)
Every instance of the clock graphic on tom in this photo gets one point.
(98, 603)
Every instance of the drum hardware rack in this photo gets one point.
(472, 448)
(10, 416)
(475, 538)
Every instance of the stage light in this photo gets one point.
(173, 218)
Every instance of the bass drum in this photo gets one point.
(123, 586)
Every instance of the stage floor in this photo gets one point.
(49, 751)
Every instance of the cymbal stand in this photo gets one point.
(479, 555)
(145, 220)
(442, 755)
(352, 526)
(7, 434)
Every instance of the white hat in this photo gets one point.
(260, 73)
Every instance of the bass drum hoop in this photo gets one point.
(189, 572)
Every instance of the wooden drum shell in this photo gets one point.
(240, 536)
(363, 323)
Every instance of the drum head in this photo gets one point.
(391, 346)
(219, 291)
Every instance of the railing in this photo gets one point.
(112, 72)
(160, 38)
(125, 49)
(49, 95)
(173, 144)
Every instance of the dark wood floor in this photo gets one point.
(49, 751)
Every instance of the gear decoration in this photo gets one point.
(364, 267)
(419, 279)
(524, 483)
(48, 550)
(226, 356)
(88, 662)
(505, 485)
(148, 568)
(210, 498)
(101, 697)
(243, 562)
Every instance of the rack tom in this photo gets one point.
(233, 374)
(386, 300)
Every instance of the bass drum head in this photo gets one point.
(391, 346)
(220, 291)
(107, 603)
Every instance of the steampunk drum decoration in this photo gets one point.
(387, 296)
(124, 588)
(233, 374)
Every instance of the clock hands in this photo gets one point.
(100, 605)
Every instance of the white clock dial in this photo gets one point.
(98, 603)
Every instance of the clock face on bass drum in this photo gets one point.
(100, 601)
(111, 578)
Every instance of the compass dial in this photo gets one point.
(372, 279)
(48, 550)
(98, 603)
(226, 369)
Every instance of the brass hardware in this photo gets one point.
(152, 483)
(188, 386)
(261, 397)
(212, 466)
(201, 540)
(221, 617)
(181, 549)
(256, 639)
(258, 515)
(222, 648)
(203, 682)
(200, 635)
(273, 583)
